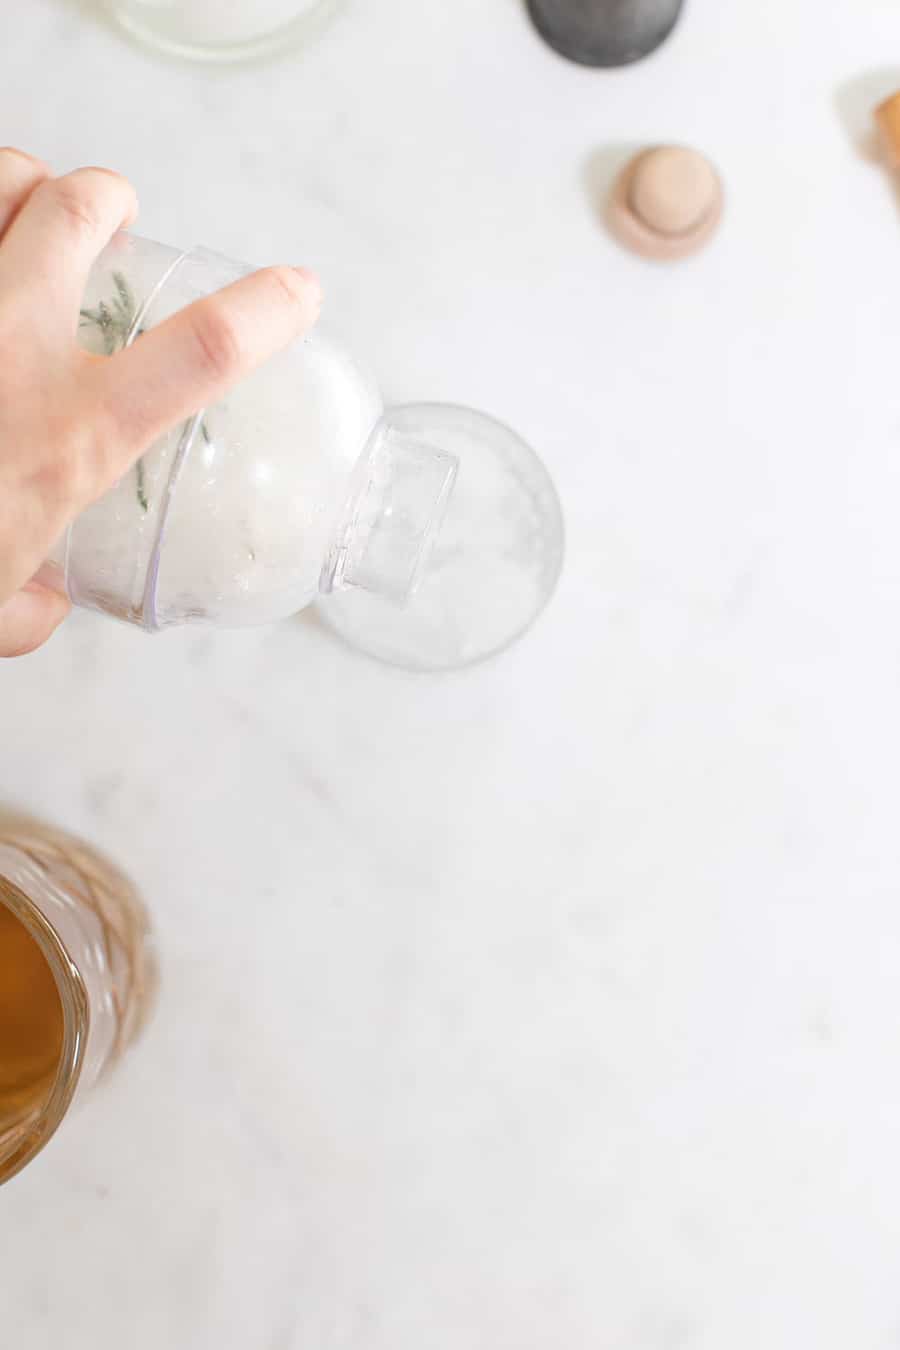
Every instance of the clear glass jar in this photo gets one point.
(78, 978)
(220, 30)
(430, 535)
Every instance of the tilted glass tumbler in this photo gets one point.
(429, 535)
(77, 979)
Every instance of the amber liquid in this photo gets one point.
(31, 1023)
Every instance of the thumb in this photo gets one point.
(29, 618)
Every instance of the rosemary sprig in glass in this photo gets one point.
(115, 321)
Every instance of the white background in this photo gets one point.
(554, 1004)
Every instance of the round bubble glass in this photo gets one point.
(220, 30)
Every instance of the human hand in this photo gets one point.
(72, 423)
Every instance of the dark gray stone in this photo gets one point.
(604, 32)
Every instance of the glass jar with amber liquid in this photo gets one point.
(78, 977)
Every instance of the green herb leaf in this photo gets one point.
(115, 322)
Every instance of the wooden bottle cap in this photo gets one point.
(666, 202)
(887, 119)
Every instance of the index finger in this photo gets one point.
(197, 355)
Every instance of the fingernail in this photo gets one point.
(51, 577)
(311, 279)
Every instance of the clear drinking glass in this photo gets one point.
(78, 977)
(428, 535)
(220, 30)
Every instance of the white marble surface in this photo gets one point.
(554, 1004)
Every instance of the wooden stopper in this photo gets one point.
(887, 119)
(666, 202)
